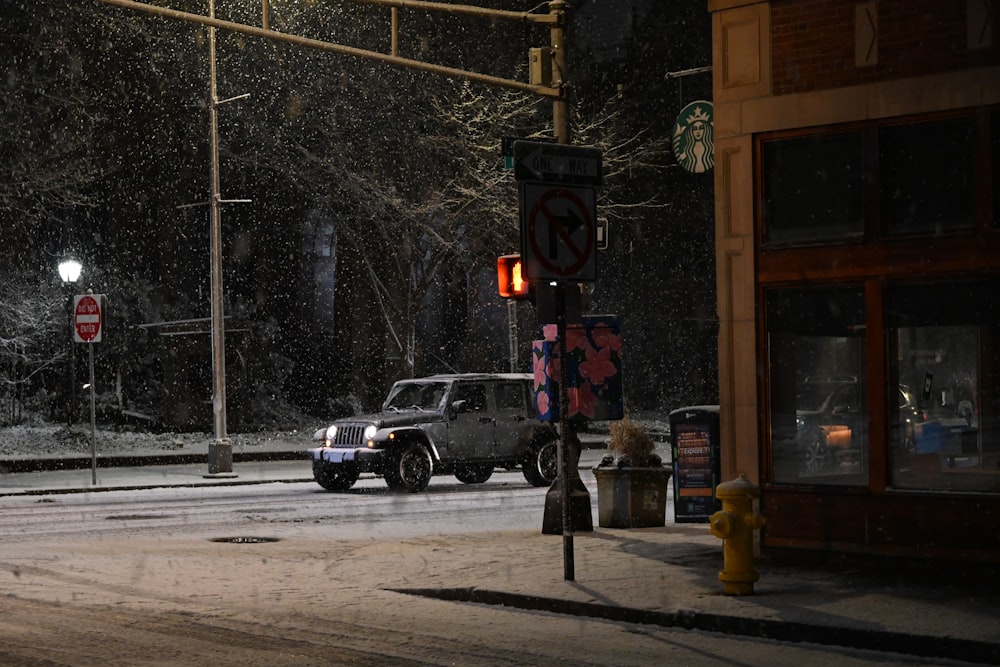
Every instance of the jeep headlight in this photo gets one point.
(370, 431)
(331, 435)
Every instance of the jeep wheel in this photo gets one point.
(334, 477)
(409, 470)
(541, 463)
(815, 454)
(474, 473)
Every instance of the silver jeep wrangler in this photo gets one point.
(466, 425)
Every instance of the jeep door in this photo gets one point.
(512, 410)
(470, 433)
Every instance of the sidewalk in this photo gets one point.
(668, 577)
(658, 576)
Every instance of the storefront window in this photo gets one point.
(927, 177)
(996, 169)
(819, 422)
(945, 435)
(813, 189)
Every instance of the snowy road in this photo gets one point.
(280, 510)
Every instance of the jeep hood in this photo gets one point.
(393, 418)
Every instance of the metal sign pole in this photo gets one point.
(93, 418)
(512, 333)
(560, 126)
(565, 436)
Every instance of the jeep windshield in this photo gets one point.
(416, 396)
(829, 396)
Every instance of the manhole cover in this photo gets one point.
(244, 540)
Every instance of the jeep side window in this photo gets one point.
(474, 396)
(508, 396)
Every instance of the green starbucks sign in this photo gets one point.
(694, 146)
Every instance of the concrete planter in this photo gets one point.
(631, 497)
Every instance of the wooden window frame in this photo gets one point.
(874, 261)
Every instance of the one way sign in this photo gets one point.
(557, 163)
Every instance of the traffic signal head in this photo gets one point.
(510, 279)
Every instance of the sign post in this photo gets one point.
(556, 184)
(87, 328)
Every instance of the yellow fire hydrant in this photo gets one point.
(735, 524)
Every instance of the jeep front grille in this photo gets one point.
(350, 435)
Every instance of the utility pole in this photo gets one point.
(560, 104)
(220, 450)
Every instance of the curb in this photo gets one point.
(138, 460)
(83, 461)
(881, 641)
(149, 487)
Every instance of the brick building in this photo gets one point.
(857, 161)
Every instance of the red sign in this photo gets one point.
(558, 233)
(87, 318)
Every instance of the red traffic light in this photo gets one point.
(510, 279)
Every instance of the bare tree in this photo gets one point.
(473, 122)
(36, 320)
(411, 191)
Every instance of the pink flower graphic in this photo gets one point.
(538, 368)
(552, 369)
(598, 366)
(582, 400)
(604, 336)
(543, 403)
(576, 339)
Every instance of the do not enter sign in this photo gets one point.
(87, 318)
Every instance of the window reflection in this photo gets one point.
(819, 423)
(996, 168)
(942, 338)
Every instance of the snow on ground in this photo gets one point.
(48, 439)
(59, 439)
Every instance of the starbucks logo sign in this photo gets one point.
(694, 146)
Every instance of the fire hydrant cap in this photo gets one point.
(737, 488)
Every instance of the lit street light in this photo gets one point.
(69, 271)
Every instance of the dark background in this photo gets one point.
(354, 170)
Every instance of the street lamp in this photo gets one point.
(69, 271)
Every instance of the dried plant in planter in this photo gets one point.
(630, 446)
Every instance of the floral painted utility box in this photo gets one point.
(594, 370)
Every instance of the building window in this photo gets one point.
(927, 177)
(816, 380)
(945, 434)
(912, 403)
(995, 162)
(813, 189)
